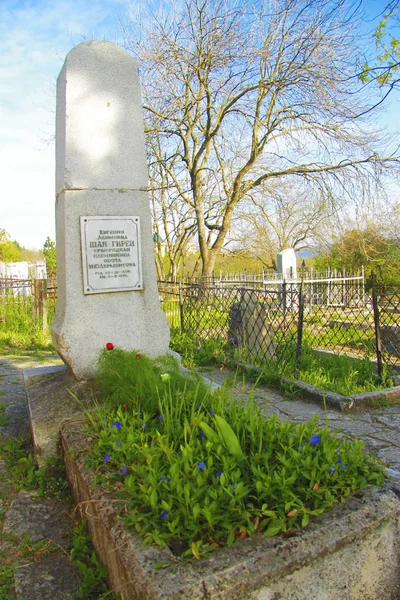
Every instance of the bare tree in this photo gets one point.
(247, 94)
(288, 216)
(173, 217)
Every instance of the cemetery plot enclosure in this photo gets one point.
(27, 304)
(277, 322)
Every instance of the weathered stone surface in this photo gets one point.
(54, 578)
(51, 400)
(393, 422)
(352, 551)
(390, 456)
(101, 171)
(37, 517)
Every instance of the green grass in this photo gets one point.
(342, 374)
(18, 331)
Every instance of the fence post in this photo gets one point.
(284, 297)
(181, 308)
(45, 325)
(378, 344)
(299, 330)
(36, 300)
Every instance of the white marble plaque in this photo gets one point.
(111, 257)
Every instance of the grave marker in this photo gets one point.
(107, 288)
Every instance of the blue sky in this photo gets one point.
(35, 37)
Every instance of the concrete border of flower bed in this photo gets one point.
(328, 398)
(351, 552)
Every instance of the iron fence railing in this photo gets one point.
(277, 321)
(270, 320)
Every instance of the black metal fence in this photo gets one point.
(264, 322)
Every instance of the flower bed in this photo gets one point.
(197, 470)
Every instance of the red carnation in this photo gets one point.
(110, 346)
(138, 356)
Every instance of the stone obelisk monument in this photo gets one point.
(107, 288)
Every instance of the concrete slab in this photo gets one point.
(53, 578)
(38, 518)
(53, 395)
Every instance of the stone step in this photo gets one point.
(42, 520)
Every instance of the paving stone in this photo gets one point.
(38, 518)
(357, 428)
(374, 444)
(390, 456)
(392, 421)
(17, 411)
(11, 388)
(13, 378)
(53, 578)
(15, 429)
(390, 436)
(388, 410)
(294, 408)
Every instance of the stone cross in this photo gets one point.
(107, 288)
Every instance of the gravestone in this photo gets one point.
(107, 288)
(287, 266)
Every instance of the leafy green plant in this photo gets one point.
(210, 352)
(16, 553)
(93, 572)
(18, 330)
(48, 480)
(199, 470)
(3, 415)
(185, 345)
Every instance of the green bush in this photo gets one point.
(199, 470)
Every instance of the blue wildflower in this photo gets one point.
(218, 474)
(164, 515)
(163, 478)
(144, 425)
(117, 425)
(315, 439)
(343, 466)
(123, 471)
(202, 436)
(234, 486)
(331, 469)
(141, 414)
(160, 417)
(104, 419)
(211, 412)
(118, 443)
(106, 457)
(301, 448)
(201, 466)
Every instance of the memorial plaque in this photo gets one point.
(111, 254)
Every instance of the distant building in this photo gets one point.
(23, 270)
